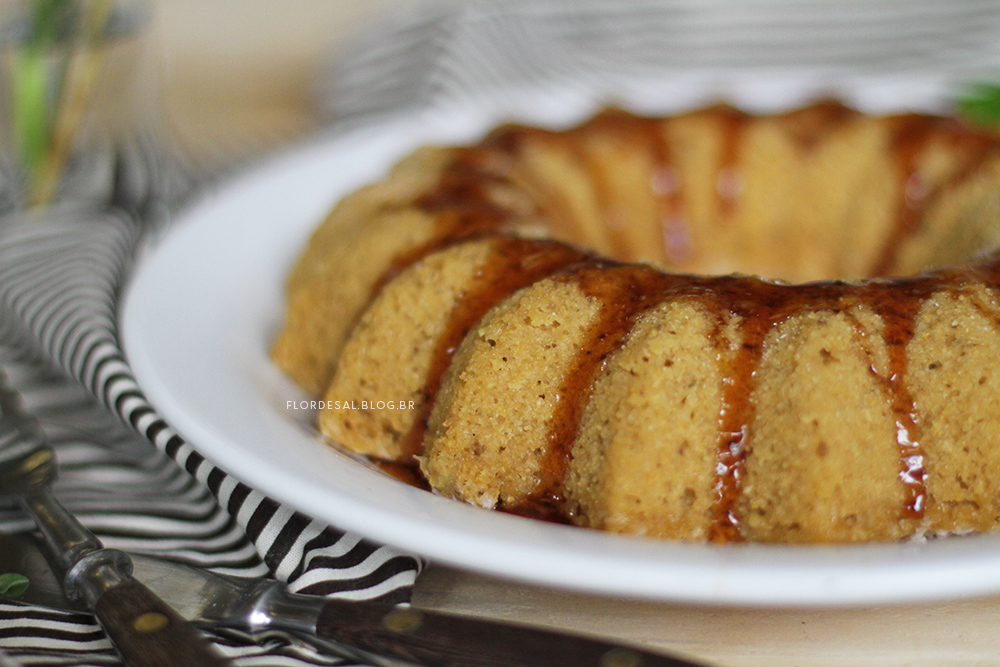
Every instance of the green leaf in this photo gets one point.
(42, 122)
(980, 103)
(31, 109)
(46, 18)
(33, 93)
(13, 585)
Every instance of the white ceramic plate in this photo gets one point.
(198, 319)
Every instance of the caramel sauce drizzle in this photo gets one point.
(989, 270)
(407, 472)
(513, 263)
(465, 211)
(461, 204)
(912, 135)
(811, 124)
(624, 292)
(736, 298)
(897, 303)
(761, 306)
(667, 188)
(643, 134)
(627, 291)
(728, 180)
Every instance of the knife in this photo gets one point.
(145, 630)
(381, 634)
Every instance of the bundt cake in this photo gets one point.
(714, 326)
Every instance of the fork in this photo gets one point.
(144, 629)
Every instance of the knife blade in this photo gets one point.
(381, 634)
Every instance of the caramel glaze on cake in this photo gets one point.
(568, 324)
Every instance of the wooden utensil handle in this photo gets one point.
(443, 640)
(148, 633)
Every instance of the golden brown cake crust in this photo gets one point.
(668, 391)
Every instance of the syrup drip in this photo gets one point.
(759, 306)
(645, 134)
(513, 264)
(729, 181)
(604, 190)
(897, 302)
(912, 136)
(462, 207)
(812, 124)
(738, 409)
(406, 472)
(624, 292)
(668, 189)
(988, 273)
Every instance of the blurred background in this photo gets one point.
(236, 78)
(239, 75)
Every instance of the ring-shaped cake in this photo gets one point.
(714, 326)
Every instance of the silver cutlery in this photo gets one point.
(144, 629)
(380, 634)
(150, 630)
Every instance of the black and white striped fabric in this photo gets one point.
(477, 53)
(59, 278)
(134, 480)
